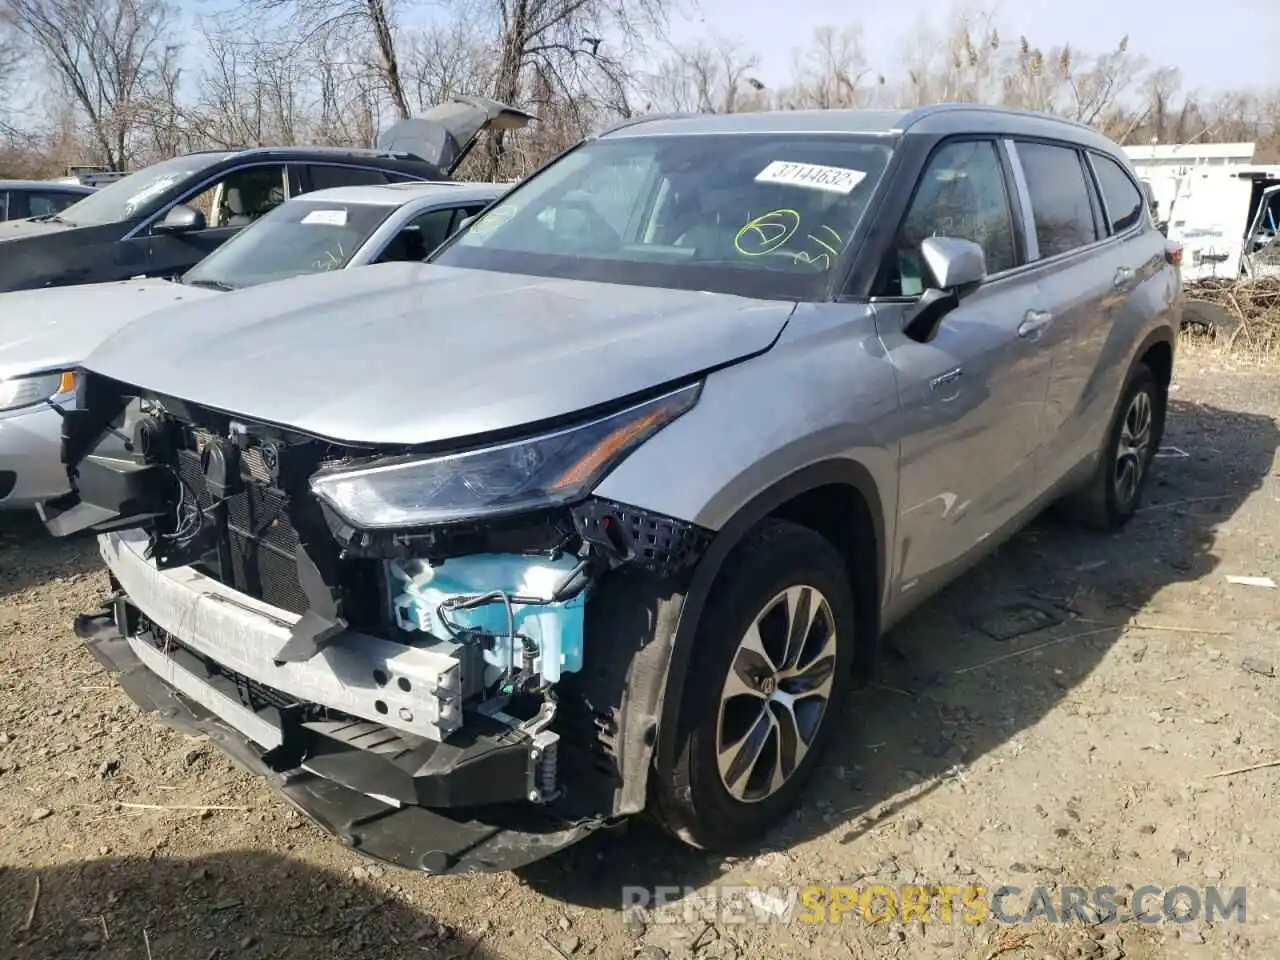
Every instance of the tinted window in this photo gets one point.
(1124, 200)
(961, 194)
(324, 177)
(419, 236)
(302, 236)
(4, 204)
(1059, 197)
(753, 214)
(44, 204)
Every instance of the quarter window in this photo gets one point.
(961, 194)
(1124, 200)
(1059, 198)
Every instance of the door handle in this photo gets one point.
(1034, 322)
(1123, 276)
(951, 376)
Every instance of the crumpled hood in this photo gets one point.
(60, 326)
(412, 353)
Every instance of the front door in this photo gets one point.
(972, 398)
(240, 197)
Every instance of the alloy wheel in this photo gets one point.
(1131, 453)
(776, 693)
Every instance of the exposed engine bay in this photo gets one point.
(439, 665)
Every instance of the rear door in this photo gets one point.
(1084, 277)
(972, 398)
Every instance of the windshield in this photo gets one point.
(753, 214)
(128, 196)
(297, 237)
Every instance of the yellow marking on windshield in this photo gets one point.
(766, 233)
(822, 259)
(825, 246)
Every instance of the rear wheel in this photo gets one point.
(771, 667)
(1111, 497)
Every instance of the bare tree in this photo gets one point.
(834, 71)
(714, 76)
(107, 53)
(575, 51)
(252, 94)
(364, 26)
(455, 57)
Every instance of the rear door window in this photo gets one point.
(1123, 199)
(1060, 202)
(324, 176)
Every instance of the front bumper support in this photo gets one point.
(432, 841)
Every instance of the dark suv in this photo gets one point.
(20, 199)
(165, 218)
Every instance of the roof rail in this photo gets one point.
(643, 118)
(917, 114)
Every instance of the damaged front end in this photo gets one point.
(415, 645)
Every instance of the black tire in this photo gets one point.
(1104, 503)
(692, 801)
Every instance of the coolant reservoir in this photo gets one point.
(418, 589)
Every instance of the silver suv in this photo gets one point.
(606, 506)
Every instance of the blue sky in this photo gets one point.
(1222, 45)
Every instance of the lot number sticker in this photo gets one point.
(330, 218)
(811, 175)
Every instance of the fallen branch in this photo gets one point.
(1166, 627)
(180, 806)
(31, 910)
(1232, 773)
(1029, 650)
(552, 947)
(1008, 946)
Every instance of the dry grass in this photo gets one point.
(1252, 340)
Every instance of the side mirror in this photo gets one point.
(180, 219)
(956, 267)
(465, 222)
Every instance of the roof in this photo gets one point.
(398, 194)
(935, 119)
(61, 186)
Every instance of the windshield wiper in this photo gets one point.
(210, 284)
(53, 218)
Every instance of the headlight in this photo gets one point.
(27, 391)
(542, 471)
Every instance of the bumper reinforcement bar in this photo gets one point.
(431, 841)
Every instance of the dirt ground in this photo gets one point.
(1078, 754)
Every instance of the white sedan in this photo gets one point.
(44, 334)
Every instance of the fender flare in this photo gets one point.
(824, 473)
(1162, 334)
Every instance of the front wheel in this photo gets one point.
(771, 666)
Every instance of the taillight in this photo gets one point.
(1173, 255)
